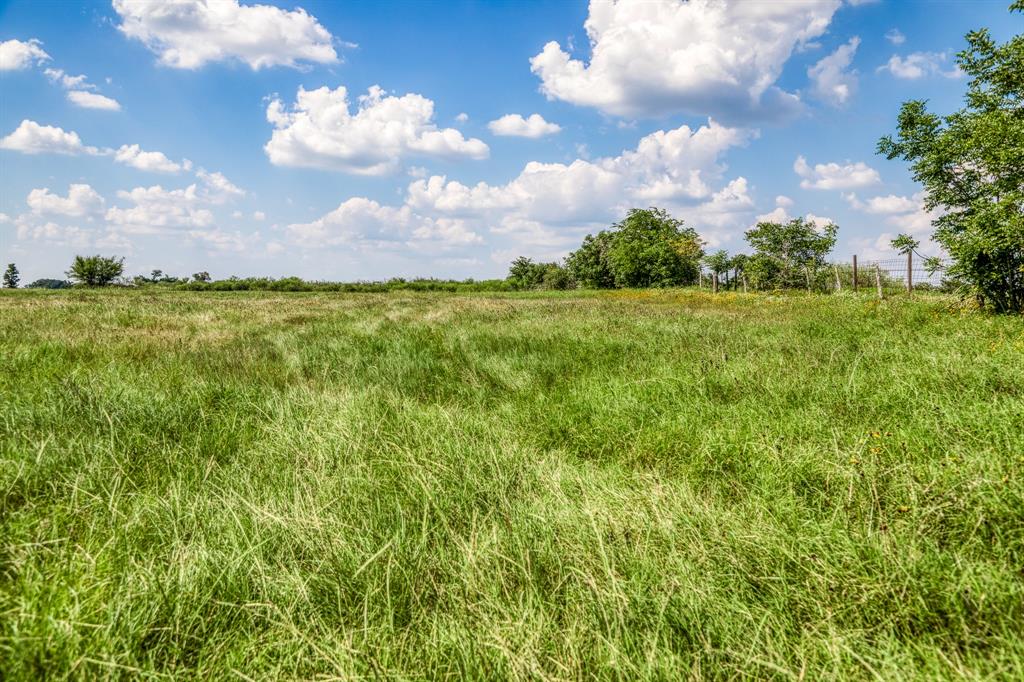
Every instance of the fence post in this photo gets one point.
(855, 273)
(714, 282)
(910, 271)
(807, 276)
(878, 280)
(839, 285)
(700, 279)
(744, 284)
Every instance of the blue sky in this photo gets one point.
(368, 140)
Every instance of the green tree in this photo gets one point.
(11, 276)
(718, 262)
(556, 277)
(95, 271)
(904, 243)
(525, 274)
(201, 276)
(650, 248)
(590, 265)
(971, 164)
(792, 246)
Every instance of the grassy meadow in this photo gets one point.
(556, 486)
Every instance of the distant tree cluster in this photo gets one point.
(650, 248)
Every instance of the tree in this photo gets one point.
(904, 243)
(971, 164)
(718, 262)
(95, 271)
(589, 265)
(48, 284)
(525, 274)
(11, 276)
(650, 248)
(201, 277)
(556, 277)
(792, 246)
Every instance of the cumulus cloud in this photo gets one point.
(93, 100)
(218, 188)
(895, 37)
(80, 91)
(658, 57)
(920, 64)
(831, 80)
(548, 207)
(834, 175)
(780, 215)
(462, 118)
(81, 201)
(133, 155)
(514, 125)
(16, 55)
(155, 209)
(32, 138)
(67, 81)
(905, 214)
(187, 34)
(362, 223)
(320, 131)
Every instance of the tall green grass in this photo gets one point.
(660, 485)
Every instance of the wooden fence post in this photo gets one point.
(839, 285)
(910, 271)
(878, 280)
(744, 284)
(854, 273)
(714, 282)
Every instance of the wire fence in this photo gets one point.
(882, 277)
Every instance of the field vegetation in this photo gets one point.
(623, 484)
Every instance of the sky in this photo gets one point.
(362, 141)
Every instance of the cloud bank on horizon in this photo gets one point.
(365, 160)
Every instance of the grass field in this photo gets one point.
(660, 485)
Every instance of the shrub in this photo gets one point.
(95, 271)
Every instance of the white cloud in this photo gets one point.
(895, 37)
(835, 176)
(224, 241)
(831, 81)
(32, 138)
(82, 200)
(16, 55)
(320, 132)
(918, 65)
(92, 100)
(547, 208)
(783, 200)
(187, 34)
(155, 209)
(462, 118)
(780, 215)
(259, 216)
(218, 188)
(905, 214)
(657, 57)
(81, 91)
(514, 125)
(885, 205)
(67, 81)
(133, 155)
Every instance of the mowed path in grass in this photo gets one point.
(535, 486)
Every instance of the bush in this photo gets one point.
(49, 284)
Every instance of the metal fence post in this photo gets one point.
(910, 271)
(878, 280)
(839, 285)
(854, 273)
